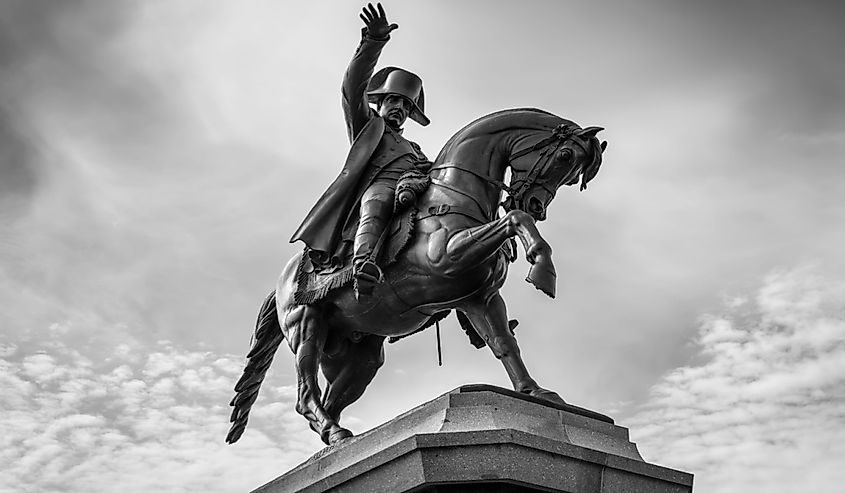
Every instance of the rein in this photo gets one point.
(560, 135)
(496, 183)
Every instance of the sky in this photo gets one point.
(156, 156)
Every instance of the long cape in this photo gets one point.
(322, 229)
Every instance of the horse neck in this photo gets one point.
(483, 149)
(471, 162)
(486, 144)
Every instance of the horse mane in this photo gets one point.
(499, 121)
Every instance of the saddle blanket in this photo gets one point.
(313, 286)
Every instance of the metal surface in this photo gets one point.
(454, 261)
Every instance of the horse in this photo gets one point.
(457, 259)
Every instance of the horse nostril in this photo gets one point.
(536, 209)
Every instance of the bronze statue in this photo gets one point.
(446, 248)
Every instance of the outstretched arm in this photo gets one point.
(374, 35)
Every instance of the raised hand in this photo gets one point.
(376, 21)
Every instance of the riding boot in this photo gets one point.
(375, 213)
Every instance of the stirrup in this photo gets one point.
(367, 274)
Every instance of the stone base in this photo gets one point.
(480, 438)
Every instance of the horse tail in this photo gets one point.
(268, 336)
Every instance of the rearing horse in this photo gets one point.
(454, 261)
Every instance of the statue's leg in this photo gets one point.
(376, 208)
(348, 373)
(472, 246)
(306, 334)
(490, 319)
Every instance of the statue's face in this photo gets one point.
(395, 110)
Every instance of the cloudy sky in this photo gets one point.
(156, 156)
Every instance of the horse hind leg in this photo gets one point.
(306, 334)
(490, 319)
(348, 372)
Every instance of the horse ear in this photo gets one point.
(603, 146)
(589, 132)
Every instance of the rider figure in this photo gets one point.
(365, 189)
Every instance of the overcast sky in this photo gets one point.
(156, 156)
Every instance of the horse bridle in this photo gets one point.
(548, 147)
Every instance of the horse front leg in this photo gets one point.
(471, 246)
(490, 319)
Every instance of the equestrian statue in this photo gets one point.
(396, 243)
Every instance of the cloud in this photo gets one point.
(785, 49)
(114, 165)
(47, 55)
(18, 176)
(762, 410)
(76, 422)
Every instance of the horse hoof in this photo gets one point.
(338, 434)
(547, 395)
(542, 276)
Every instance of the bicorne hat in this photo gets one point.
(394, 80)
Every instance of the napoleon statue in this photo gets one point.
(356, 208)
(396, 243)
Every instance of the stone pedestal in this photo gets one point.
(480, 438)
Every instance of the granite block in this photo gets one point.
(482, 438)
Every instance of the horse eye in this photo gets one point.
(566, 155)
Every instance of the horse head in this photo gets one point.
(564, 156)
